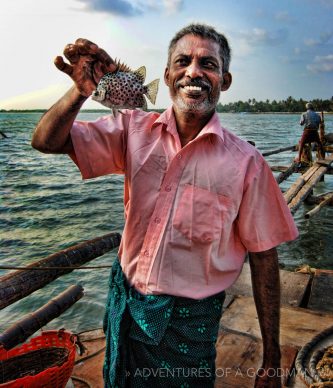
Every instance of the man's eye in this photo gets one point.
(181, 61)
(210, 64)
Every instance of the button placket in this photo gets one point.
(156, 226)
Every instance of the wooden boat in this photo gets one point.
(307, 306)
(306, 311)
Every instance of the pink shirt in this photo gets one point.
(191, 213)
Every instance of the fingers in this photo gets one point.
(86, 47)
(106, 60)
(71, 52)
(63, 66)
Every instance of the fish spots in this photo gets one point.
(125, 89)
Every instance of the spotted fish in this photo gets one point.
(124, 89)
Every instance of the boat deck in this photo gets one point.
(307, 310)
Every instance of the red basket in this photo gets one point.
(53, 347)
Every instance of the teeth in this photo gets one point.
(198, 88)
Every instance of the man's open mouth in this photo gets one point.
(193, 88)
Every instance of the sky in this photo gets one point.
(279, 48)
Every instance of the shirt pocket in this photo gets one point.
(200, 214)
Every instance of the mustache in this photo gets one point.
(199, 83)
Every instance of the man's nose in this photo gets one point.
(193, 70)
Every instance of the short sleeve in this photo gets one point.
(264, 219)
(100, 146)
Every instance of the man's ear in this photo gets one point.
(166, 76)
(226, 82)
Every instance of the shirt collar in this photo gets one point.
(167, 119)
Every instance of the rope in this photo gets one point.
(303, 353)
(9, 267)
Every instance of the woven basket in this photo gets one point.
(46, 361)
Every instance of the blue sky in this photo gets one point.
(280, 48)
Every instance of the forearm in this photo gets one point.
(52, 133)
(266, 291)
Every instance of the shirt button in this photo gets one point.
(168, 188)
(146, 253)
(179, 156)
(139, 284)
(157, 220)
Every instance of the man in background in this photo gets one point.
(311, 121)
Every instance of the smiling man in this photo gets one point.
(197, 199)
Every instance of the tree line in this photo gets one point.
(290, 105)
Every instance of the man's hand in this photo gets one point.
(87, 64)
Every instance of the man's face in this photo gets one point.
(194, 75)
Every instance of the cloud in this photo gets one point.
(173, 6)
(129, 8)
(322, 64)
(116, 7)
(324, 38)
(283, 16)
(262, 37)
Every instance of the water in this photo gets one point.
(45, 206)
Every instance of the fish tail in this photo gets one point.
(152, 89)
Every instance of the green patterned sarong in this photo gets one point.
(158, 340)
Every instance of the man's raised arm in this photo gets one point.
(87, 64)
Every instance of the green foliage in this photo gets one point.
(290, 105)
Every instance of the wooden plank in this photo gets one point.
(298, 326)
(322, 291)
(293, 286)
(89, 366)
(239, 357)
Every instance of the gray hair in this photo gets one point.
(309, 105)
(205, 32)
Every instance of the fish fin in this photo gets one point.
(141, 73)
(122, 67)
(144, 106)
(152, 89)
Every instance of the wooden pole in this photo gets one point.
(299, 183)
(322, 128)
(317, 199)
(306, 189)
(32, 322)
(278, 150)
(316, 209)
(18, 284)
(285, 174)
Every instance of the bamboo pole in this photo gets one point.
(317, 199)
(299, 183)
(316, 209)
(306, 189)
(30, 323)
(285, 174)
(278, 150)
(18, 284)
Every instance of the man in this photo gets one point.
(197, 199)
(311, 120)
